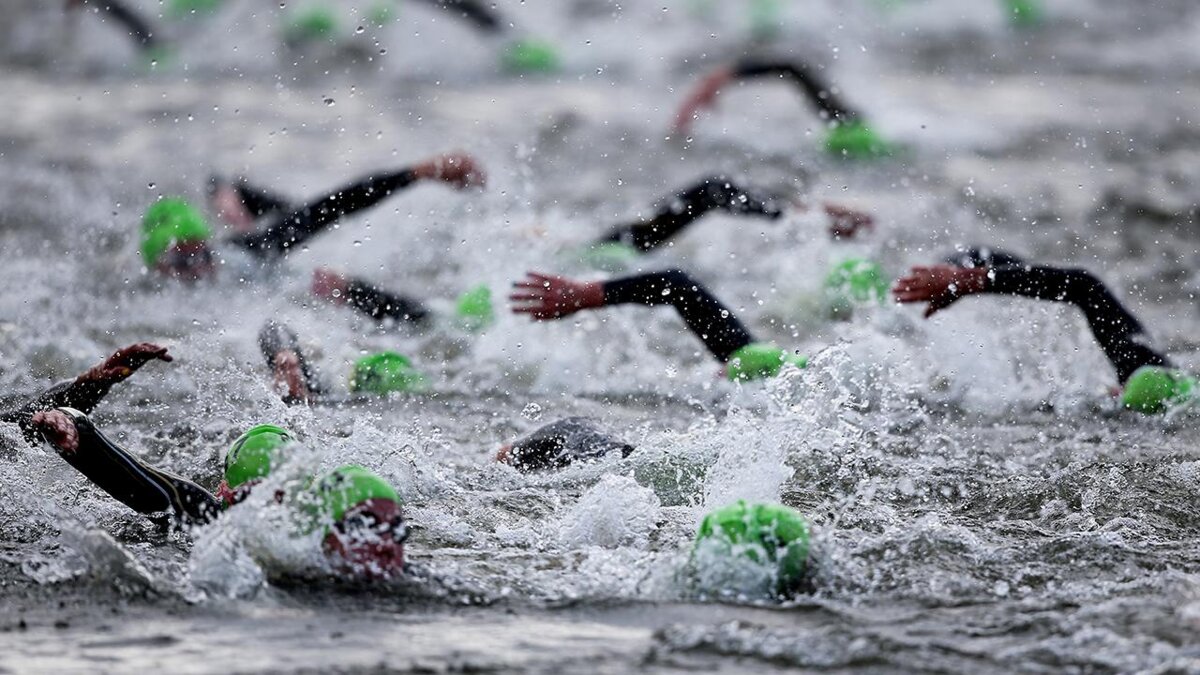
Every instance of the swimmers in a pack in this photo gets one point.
(87, 390)
(357, 513)
(849, 133)
(544, 297)
(1150, 383)
(177, 241)
(715, 193)
(139, 29)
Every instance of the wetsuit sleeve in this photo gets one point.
(131, 481)
(1120, 335)
(260, 201)
(474, 11)
(704, 315)
(816, 90)
(301, 224)
(691, 204)
(382, 305)
(137, 26)
(82, 395)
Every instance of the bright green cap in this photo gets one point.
(314, 23)
(168, 222)
(251, 455)
(348, 486)
(382, 13)
(474, 309)
(765, 18)
(1153, 389)
(1023, 13)
(857, 280)
(779, 532)
(610, 256)
(386, 372)
(856, 140)
(530, 56)
(182, 8)
(758, 360)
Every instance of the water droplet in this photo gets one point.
(151, 185)
(329, 101)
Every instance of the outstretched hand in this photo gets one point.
(703, 96)
(845, 223)
(939, 285)
(125, 362)
(58, 428)
(545, 297)
(457, 169)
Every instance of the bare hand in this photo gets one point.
(454, 168)
(845, 223)
(58, 428)
(330, 285)
(547, 297)
(288, 377)
(939, 285)
(125, 362)
(703, 96)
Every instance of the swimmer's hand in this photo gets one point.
(545, 297)
(124, 362)
(457, 169)
(846, 223)
(939, 285)
(703, 96)
(331, 285)
(58, 429)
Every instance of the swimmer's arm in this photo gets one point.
(113, 469)
(479, 14)
(815, 89)
(366, 297)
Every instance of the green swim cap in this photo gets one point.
(854, 281)
(1154, 389)
(386, 372)
(251, 455)
(765, 19)
(764, 533)
(346, 487)
(759, 360)
(856, 140)
(382, 13)
(609, 256)
(168, 222)
(530, 56)
(314, 23)
(1023, 13)
(181, 8)
(474, 309)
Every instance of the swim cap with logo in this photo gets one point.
(758, 360)
(474, 309)
(168, 222)
(770, 534)
(386, 372)
(252, 454)
(1154, 389)
(855, 140)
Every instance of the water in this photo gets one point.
(979, 504)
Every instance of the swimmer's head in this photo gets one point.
(175, 240)
(856, 140)
(1154, 389)
(759, 360)
(852, 282)
(386, 372)
(474, 310)
(366, 531)
(250, 459)
(768, 535)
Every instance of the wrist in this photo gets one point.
(971, 280)
(591, 295)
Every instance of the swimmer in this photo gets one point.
(359, 512)
(176, 239)
(849, 133)
(545, 297)
(557, 445)
(752, 547)
(1150, 383)
(87, 390)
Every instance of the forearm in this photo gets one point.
(80, 393)
(479, 14)
(381, 305)
(135, 24)
(816, 90)
(715, 325)
(691, 204)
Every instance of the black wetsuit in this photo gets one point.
(703, 313)
(559, 444)
(717, 192)
(1118, 332)
(137, 26)
(289, 226)
(816, 90)
(477, 13)
(383, 305)
(80, 395)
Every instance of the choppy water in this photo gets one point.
(979, 503)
